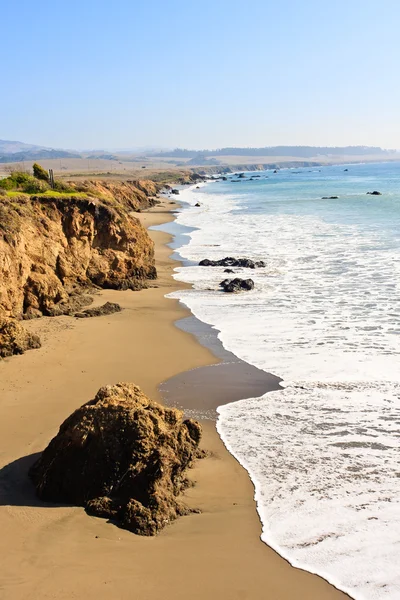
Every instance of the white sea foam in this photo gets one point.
(324, 315)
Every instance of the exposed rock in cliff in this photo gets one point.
(15, 339)
(53, 247)
(122, 457)
(133, 195)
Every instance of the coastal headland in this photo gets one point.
(59, 552)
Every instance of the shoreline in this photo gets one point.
(60, 552)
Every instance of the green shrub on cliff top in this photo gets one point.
(23, 182)
(61, 186)
(35, 186)
(40, 173)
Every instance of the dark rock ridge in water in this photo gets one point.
(123, 457)
(232, 262)
(374, 193)
(237, 285)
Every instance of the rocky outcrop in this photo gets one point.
(15, 339)
(237, 285)
(121, 456)
(218, 169)
(232, 262)
(106, 309)
(52, 248)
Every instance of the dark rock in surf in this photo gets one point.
(228, 271)
(229, 261)
(237, 285)
(197, 204)
(374, 193)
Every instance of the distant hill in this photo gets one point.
(11, 151)
(300, 151)
(9, 147)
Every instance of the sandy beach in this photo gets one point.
(53, 552)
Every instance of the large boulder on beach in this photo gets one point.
(16, 339)
(121, 456)
(237, 285)
(229, 261)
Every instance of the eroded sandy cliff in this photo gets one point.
(52, 248)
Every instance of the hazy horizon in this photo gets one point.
(173, 75)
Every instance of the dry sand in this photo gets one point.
(53, 552)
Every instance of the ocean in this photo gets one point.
(323, 453)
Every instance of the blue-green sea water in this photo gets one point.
(325, 316)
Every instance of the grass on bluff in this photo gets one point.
(53, 194)
(16, 192)
(22, 182)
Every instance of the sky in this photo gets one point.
(169, 73)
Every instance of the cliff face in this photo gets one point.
(133, 195)
(52, 247)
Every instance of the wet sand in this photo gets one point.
(200, 391)
(55, 552)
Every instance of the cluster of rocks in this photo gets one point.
(123, 457)
(374, 193)
(237, 285)
(228, 261)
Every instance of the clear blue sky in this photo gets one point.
(124, 73)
